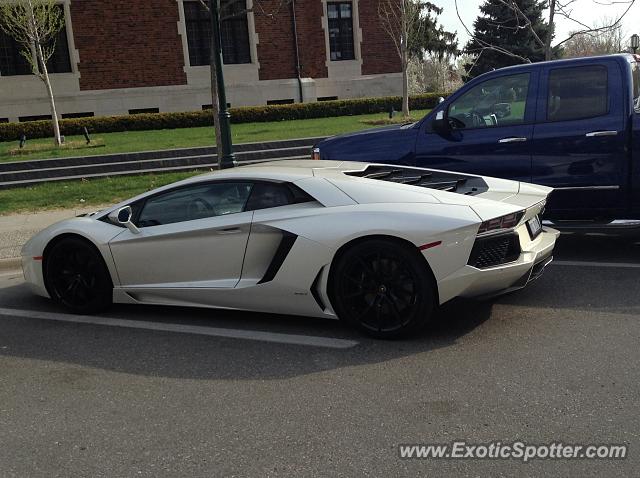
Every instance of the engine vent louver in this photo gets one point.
(495, 250)
(443, 181)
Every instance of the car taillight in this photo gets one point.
(315, 153)
(504, 222)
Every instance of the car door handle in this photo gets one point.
(596, 134)
(230, 230)
(514, 139)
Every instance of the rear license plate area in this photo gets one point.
(534, 225)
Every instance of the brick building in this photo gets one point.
(127, 56)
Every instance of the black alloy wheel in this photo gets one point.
(383, 288)
(76, 276)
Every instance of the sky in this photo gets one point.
(586, 11)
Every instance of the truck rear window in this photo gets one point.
(577, 93)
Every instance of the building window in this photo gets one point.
(88, 114)
(288, 101)
(144, 111)
(235, 33)
(60, 61)
(340, 17)
(12, 62)
(26, 119)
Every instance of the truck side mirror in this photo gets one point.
(440, 123)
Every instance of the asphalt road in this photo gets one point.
(163, 394)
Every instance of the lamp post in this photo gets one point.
(635, 42)
(228, 159)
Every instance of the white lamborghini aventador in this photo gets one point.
(375, 245)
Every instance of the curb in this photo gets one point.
(13, 264)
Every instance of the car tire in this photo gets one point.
(76, 277)
(383, 288)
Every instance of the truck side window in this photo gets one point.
(498, 102)
(577, 93)
(635, 71)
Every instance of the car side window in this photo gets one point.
(193, 202)
(268, 195)
(577, 93)
(498, 102)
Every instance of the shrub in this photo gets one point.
(250, 114)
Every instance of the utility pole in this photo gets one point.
(227, 159)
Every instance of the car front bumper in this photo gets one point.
(32, 270)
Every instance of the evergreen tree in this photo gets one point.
(502, 36)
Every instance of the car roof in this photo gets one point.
(284, 170)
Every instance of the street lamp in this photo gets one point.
(635, 42)
(228, 159)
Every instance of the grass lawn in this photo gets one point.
(191, 137)
(69, 194)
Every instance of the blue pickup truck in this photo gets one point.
(570, 124)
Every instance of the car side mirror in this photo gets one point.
(123, 217)
(440, 123)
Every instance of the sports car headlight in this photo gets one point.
(500, 223)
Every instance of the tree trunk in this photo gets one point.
(547, 46)
(44, 76)
(404, 54)
(215, 105)
(405, 90)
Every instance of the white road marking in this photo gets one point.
(623, 265)
(12, 274)
(309, 340)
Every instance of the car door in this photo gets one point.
(579, 140)
(192, 236)
(489, 129)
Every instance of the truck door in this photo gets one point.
(579, 140)
(489, 127)
(635, 143)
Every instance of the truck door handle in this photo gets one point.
(596, 134)
(512, 140)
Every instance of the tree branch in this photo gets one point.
(486, 45)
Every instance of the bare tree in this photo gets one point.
(232, 9)
(434, 73)
(414, 31)
(558, 9)
(400, 20)
(600, 42)
(35, 24)
(565, 9)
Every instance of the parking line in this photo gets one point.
(309, 340)
(11, 274)
(623, 265)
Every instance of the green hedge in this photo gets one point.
(251, 114)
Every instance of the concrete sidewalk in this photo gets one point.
(16, 229)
